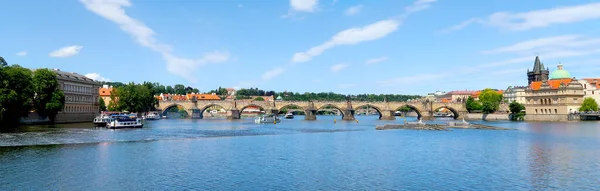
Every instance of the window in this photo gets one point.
(536, 111)
(555, 111)
(592, 92)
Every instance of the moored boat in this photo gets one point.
(152, 116)
(102, 120)
(267, 119)
(125, 122)
(289, 116)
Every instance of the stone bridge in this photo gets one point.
(386, 110)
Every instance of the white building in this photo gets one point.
(591, 88)
(515, 93)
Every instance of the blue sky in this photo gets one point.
(385, 46)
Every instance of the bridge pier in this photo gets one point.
(234, 114)
(387, 115)
(348, 115)
(427, 115)
(272, 111)
(310, 114)
(195, 114)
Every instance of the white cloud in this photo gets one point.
(548, 43)
(316, 81)
(536, 18)
(97, 77)
(418, 5)
(376, 60)
(304, 5)
(22, 53)
(357, 35)
(66, 51)
(353, 10)
(349, 37)
(338, 67)
(184, 67)
(272, 73)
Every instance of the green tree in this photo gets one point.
(169, 90)
(113, 103)
(102, 104)
(516, 110)
(48, 99)
(472, 104)
(179, 89)
(135, 98)
(490, 100)
(259, 99)
(589, 104)
(405, 109)
(516, 107)
(3, 62)
(16, 94)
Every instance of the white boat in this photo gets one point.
(125, 122)
(289, 116)
(267, 119)
(102, 120)
(152, 116)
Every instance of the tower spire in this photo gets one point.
(537, 66)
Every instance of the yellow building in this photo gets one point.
(553, 99)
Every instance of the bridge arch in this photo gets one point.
(370, 106)
(419, 115)
(250, 105)
(174, 105)
(332, 106)
(206, 107)
(280, 109)
(455, 112)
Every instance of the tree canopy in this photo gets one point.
(16, 94)
(490, 100)
(49, 99)
(133, 98)
(473, 105)
(589, 104)
(516, 107)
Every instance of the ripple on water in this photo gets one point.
(300, 155)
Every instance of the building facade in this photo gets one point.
(553, 99)
(81, 97)
(104, 93)
(515, 93)
(591, 88)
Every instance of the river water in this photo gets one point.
(219, 154)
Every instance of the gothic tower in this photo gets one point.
(539, 73)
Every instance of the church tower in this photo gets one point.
(539, 73)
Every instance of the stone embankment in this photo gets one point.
(437, 127)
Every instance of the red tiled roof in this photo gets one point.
(554, 84)
(104, 91)
(593, 81)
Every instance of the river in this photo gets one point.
(219, 154)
